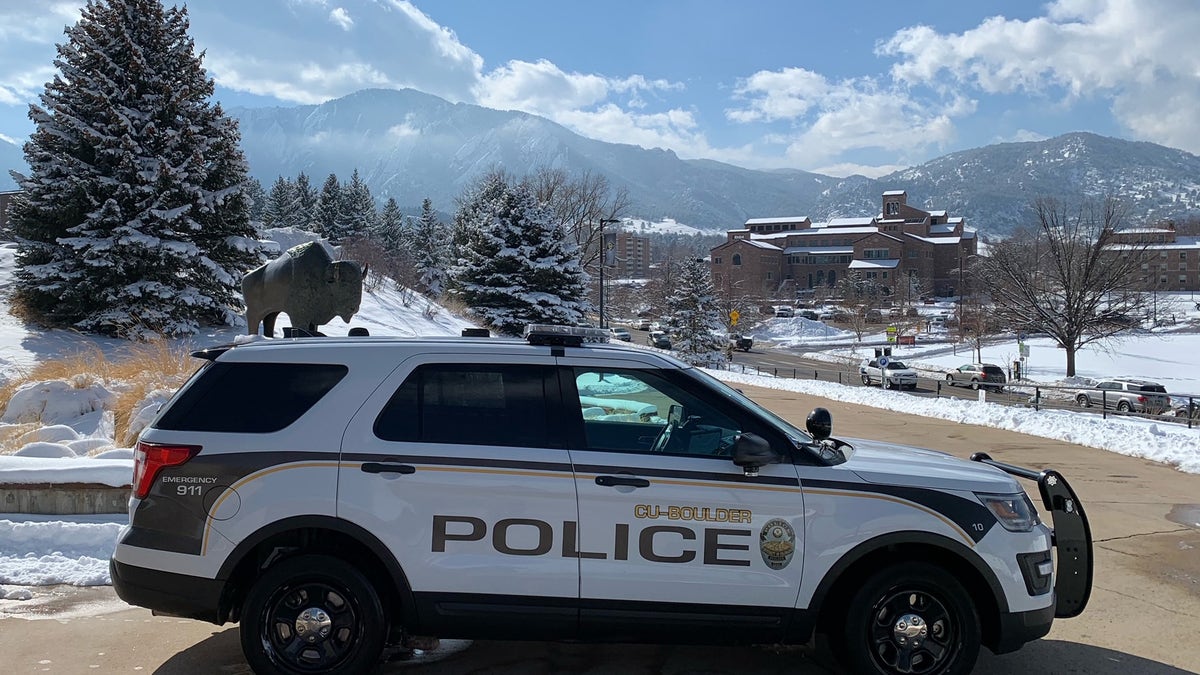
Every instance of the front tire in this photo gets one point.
(1083, 401)
(313, 614)
(866, 380)
(911, 617)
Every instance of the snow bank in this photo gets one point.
(71, 551)
(25, 470)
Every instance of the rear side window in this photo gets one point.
(1154, 388)
(470, 404)
(993, 370)
(250, 398)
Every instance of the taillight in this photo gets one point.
(1141, 399)
(150, 458)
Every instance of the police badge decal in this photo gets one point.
(777, 543)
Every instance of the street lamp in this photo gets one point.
(603, 262)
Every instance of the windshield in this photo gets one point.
(798, 436)
(896, 365)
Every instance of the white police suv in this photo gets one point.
(341, 495)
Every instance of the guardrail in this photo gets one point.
(1037, 396)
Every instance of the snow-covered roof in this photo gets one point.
(775, 221)
(861, 221)
(893, 193)
(826, 250)
(936, 240)
(1145, 230)
(874, 264)
(741, 230)
(954, 220)
(968, 234)
(1178, 244)
(761, 244)
(941, 229)
(937, 214)
(826, 231)
(888, 221)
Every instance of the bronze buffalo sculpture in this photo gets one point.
(306, 284)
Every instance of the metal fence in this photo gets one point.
(1021, 394)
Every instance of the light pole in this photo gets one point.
(603, 262)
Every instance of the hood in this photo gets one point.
(891, 464)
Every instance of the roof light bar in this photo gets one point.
(566, 336)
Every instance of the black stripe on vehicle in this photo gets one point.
(972, 517)
(475, 462)
(690, 475)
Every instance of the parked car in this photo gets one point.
(1184, 410)
(809, 314)
(784, 312)
(1127, 395)
(976, 375)
(890, 374)
(621, 334)
(874, 316)
(643, 324)
(658, 338)
(742, 342)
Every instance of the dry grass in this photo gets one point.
(141, 368)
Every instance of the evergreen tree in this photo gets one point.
(134, 179)
(282, 208)
(518, 269)
(257, 198)
(429, 251)
(306, 197)
(390, 231)
(695, 325)
(358, 210)
(327, 213)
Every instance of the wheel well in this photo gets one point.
(837, 600)
(311, 540)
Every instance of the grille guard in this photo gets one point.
(1072, 536)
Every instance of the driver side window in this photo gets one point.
(641, 411)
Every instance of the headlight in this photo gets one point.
(1015, 512)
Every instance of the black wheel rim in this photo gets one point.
(315, 651)
(900, 645)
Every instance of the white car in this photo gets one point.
(339, 496)
(887, 373)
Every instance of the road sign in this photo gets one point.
(883, 361)
(733, 317)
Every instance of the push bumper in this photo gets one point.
(168, 593)
(1072, 536)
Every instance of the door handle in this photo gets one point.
(629, 481)
(387, 467)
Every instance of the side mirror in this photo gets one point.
(819, 423)
(752, 452)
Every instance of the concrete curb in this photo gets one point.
(63, 498)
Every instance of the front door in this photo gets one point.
(671, 533)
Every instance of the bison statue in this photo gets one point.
(307, 284)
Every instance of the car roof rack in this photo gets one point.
(563, 336)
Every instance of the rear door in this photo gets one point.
(458, 465)
(675, 541)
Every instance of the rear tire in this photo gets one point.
(911, 617)
(313, 614)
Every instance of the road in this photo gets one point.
(1143, 616)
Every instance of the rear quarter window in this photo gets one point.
(250, 398)
(1154, 388)
(993, 370)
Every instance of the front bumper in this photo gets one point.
(1072, 536)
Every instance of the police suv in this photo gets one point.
(341, 497)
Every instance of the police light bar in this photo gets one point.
(565, 336)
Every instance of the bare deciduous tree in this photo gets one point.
(1067, 276)
(579, 203)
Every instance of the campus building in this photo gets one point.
(1172, 262)
(901, 249)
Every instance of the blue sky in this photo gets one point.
(835, 87)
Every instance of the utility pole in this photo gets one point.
(603, 262)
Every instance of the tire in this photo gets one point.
(975, 385)
(870, 639)
(1123, 406)
(330, 591)
(1083, 401)
(866, 380)
(949, 380)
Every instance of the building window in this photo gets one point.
(770, 275)
(1183, 255)
(737, 259)
(1162, 279)
(875, 253)
(716, 261)
(1182, 266)
(1182, 278)
(913, 253)
(892, 208)
(1162, 254)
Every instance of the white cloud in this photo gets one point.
(844, 169)
(9, 139)
(831, 118)
(1136, 52)
(1021, 136)
(341, 18)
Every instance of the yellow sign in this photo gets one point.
(733, 317)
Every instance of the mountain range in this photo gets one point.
(411, 145)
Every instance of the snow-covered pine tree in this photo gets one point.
(358, 210)
(430, 251)
(518, 269)
(327, 213)
(695, 324)
(283, 205)
(306, 197)
(390, 230)
(257, 198)
(129, 164)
